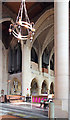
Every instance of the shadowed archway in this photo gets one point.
(34, 87)
(52, 88)
(44, 88)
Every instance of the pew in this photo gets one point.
(15, 98)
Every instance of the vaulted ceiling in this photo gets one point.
(34, 9)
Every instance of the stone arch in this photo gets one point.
(50, 57)
(52, 62)
(34, 89)
(49, 38)
(8, 39)
(52, 88)
(52, 52)
(43, 23)
(6, 19)
(15, 86)
(47, 27)
(44, 88)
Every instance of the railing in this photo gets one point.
(35, 70)
(38, 98)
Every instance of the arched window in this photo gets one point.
(15, 59)
(34, 56)
(10, 60)
(52, 63)
(19, 58)
(45, 59)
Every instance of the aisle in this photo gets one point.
(24, 110)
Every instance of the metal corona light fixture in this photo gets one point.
(22, 29)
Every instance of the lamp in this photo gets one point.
(22, 30)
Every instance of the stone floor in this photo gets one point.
(23, 110)
(29, 110)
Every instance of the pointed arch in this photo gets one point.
(34, 87)
(52, 88)
(44, 87)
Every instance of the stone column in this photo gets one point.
(0, 66)
(49, 68)
(40, 88)
(49, 77)
(4, 70)
(40, 60)
(0, 48)
(26, 73)
(61, 25)
(9, 87)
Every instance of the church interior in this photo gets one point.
(35, 67)
(41, 52)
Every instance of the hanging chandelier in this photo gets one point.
(22, 29)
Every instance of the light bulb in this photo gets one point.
(33, 29)
(33, 33)
(26, 26)
(31, 38)
(20, 23)
(19, 35)
(10, 30)
(18, 41)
